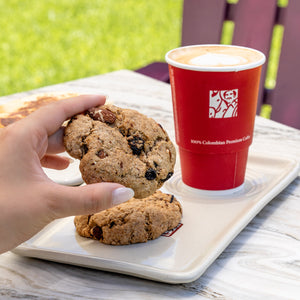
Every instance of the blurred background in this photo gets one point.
(47, 42)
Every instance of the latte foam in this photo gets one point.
(217, 59)
(214, 56)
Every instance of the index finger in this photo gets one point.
(52, 116)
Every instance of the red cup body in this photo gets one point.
(214, 114)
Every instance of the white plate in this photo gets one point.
(210, 223)
(69, 176)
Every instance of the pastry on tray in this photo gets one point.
(135, 221)
(19, 108)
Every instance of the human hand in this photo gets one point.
(29, 200)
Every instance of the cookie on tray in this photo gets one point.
(123, 146)
(135, 221)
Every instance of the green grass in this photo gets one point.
(47, 42)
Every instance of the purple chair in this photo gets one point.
(254, 20)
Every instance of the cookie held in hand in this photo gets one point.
(135, 221)
(122, 146)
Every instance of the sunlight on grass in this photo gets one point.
(56, 41)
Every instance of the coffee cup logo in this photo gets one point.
(223, 104)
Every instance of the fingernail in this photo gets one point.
(121, 195)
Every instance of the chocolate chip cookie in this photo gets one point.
(123, 146)
(135, 221)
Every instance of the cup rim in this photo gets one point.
(236, 68)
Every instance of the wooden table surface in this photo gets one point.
(262, 262)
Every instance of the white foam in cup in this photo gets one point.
(215, 58)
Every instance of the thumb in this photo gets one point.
(66, 201)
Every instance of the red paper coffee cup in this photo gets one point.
(214, 99)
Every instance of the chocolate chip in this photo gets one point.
(89, 217)
(136, 144)
(172, 199)
(150, 174)
(84, 149)
(101, 154)
(168, 177)
(112, 224)
(97, 232)
(122, 131)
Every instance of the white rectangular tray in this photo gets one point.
(210, 223)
